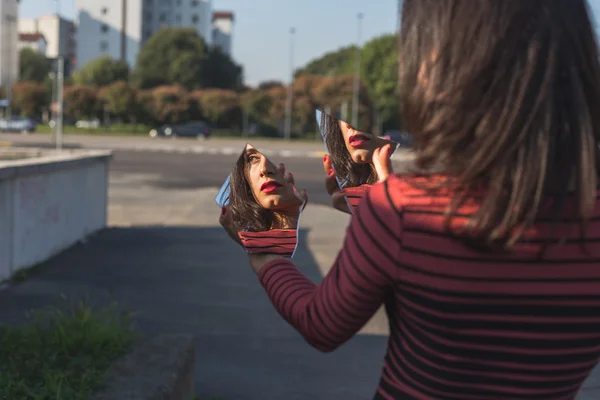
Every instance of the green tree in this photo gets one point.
(172, 56)
(256, 103)
(121, 99)
(33, 66)
(221, 107)
(102, 71)
(380, 74)
(337, 62)
(29, 98)
(170, 103)
(221, 71)
(81, 102)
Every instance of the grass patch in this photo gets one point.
(62, 354)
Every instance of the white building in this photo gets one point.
(222, 30)
(119, 28)
(9, 55)
(59, 34)
(33, 41)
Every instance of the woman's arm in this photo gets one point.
(330, 313)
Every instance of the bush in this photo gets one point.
(62, 354)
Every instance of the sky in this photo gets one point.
(261, 38)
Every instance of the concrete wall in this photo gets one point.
(48, 203)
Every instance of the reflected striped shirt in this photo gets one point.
(464, 324)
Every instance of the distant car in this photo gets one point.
(198, 129)
(88, 124)
(404, 138)
(22, 125)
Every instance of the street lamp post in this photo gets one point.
(359, 18)
(290, 94)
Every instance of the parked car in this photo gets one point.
(404, 138)
(22, 125)
(197, 129)
(88, 124)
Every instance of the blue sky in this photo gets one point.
(261, 34)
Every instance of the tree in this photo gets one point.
(380, 65)
(81, 102)
(172, 56)
(337, 62)
(270, 84)
(221, 107)
(221, 71)
(121, 99)
(102, 71)
(170, 103)
(33, 66)
(335, 91)
(29, 98)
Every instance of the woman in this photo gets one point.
(264, 205)
(351, 155)
(489, 269)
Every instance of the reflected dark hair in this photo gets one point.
(504, 95)
(353, 174)
(247, 214)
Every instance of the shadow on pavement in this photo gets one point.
(192, 280)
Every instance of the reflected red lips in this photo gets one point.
(358, 140)
(270, 187)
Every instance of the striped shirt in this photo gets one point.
(276, 241)
(464, 324)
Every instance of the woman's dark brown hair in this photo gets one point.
(504, 95)
(247, 214)
(348, 172)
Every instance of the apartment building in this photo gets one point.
(222, 30)
(9, 55)
(59, 34)
(33, 41)
(118, 28)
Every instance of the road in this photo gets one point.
(196, 171)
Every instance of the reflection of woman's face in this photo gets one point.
(360, 145)
(267, 183)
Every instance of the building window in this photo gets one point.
(195, 19)
(194, 3)
(178, 18)
(104, 46)
(104, 28)
(178, 2)
(147, 35)
(104, 11)
(162, 18)
(149, 15)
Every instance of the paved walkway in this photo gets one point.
(166, 258)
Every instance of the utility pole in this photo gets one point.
(124, 30)
(290, 95)
(359, 18)
(10, 20)
(60, 74)
(399, 15)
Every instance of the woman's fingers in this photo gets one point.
(339, 202)
(382, 162)
(327, 165)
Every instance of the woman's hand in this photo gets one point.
(302, 195)
(382, 162)
(226, 221)
(338, 199)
